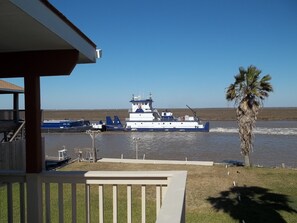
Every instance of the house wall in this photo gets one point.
(12, 155)
(8, 114)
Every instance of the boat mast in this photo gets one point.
(194, 112)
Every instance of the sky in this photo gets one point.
(183, 52)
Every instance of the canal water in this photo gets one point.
(275, 144)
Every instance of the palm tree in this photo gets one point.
(248, 92)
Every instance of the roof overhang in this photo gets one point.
(9, 88)
(33, 28)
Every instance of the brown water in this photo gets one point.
(275, 143)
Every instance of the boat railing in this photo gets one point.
(93, 196)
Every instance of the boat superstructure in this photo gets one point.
(109, 125)
(143, 117)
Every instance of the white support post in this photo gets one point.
(115, 203)
(101, 203)
(143, 204)
(164, 190)
(93, 135)
(129, 203)
(34, 198)
(136, 147)
(158, 199)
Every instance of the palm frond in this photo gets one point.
(266, 78)
(231, 93)
(265, 85)
(249, 87)
(240, 77)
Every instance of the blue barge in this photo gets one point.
(65, 125)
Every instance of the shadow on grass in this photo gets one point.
(252, 204)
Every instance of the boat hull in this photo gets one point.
(66, 129)
(205, 128)
(65, 126)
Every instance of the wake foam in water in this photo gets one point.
(258, 130)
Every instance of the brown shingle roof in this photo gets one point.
(6, 87)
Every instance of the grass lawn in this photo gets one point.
(259, 194)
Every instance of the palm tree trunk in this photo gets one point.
(246, 118)
(247, 162)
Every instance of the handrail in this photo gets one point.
(174, 200)
(170, 190)
(17, 132)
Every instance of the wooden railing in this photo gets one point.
(19, 132)
(169, 199)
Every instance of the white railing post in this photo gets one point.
(101, 203)
(129, 203)
(164, 190)
(115, 203)
(143, 203)
(158, 199)
(34, 198)
(173, 205)
(170, 193)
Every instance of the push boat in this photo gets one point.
(143, 117)
(109, 125)
(65, 125)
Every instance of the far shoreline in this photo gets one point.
(205, 114)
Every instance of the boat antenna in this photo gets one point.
(194, 112)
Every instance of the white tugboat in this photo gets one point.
(143, 117)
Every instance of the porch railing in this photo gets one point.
(164, 190)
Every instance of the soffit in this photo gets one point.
(37, 26)
(6, 87)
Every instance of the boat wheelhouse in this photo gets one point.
(143, 117)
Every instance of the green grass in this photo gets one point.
(266, 195)
(3, 203)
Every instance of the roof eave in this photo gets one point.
(48, 16)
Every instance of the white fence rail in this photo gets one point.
(168, 188)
